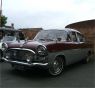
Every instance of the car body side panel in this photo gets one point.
(71, 56)
(56, 47)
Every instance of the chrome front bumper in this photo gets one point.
(26, 64)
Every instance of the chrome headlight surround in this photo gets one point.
(42, 50)
(4, 46)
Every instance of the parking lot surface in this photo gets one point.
(78, 75)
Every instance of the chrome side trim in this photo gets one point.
(24, 50)
(27, 64)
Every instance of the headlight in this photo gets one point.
(42, 51)
(4, 46)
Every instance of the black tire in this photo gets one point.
(57, 66)
(88, 58)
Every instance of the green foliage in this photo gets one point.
(3, 21)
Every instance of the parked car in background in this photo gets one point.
(8, 36)
(53, 49)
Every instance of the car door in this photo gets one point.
(72, 54)
(82, 50)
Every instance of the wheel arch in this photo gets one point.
(63, 57)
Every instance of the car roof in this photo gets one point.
(69, 29)
(66, 29)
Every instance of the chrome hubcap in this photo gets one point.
(57, 67)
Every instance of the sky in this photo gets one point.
(47, 13)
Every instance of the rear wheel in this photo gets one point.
(57, 66)
(88, 58)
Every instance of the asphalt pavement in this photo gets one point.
(78, 75)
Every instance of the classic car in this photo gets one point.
(52, 49)
(8, 36)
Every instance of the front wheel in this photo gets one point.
(57, 66)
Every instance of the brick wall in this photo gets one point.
(30, 33)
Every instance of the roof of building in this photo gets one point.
(31, 29)
(85, 24)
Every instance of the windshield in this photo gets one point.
(50, 35)
(8, 38)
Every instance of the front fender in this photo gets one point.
(52, 56)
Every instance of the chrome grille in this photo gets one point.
(20, 55)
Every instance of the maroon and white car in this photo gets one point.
(53, 49)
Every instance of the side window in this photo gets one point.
(61, 35)
(80, 37)
(73, 36)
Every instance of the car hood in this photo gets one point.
(29, 45)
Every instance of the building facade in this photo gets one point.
(30, 33)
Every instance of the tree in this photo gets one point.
(3, 21)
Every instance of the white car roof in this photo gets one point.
(69, 29)
(66, 29)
